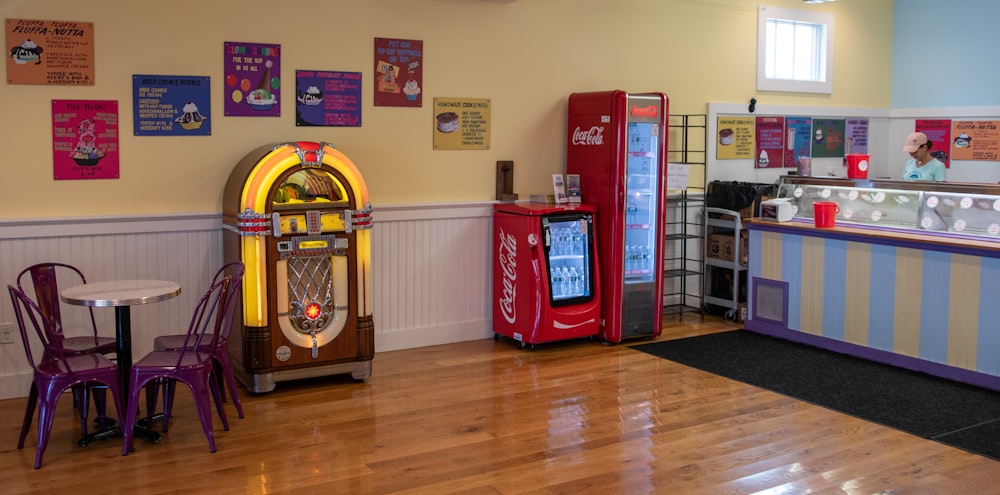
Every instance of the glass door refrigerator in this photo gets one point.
(617, 144)
(545, 281)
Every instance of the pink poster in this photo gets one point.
(84, 139)
(770, 142)
(938, 131)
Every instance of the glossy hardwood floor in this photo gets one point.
(484, 417)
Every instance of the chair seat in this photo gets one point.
(78, 345)
(158, 361)
(169, 342)
(78, 364)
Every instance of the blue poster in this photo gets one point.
(170, 105)
(798, 139)
(327, 98)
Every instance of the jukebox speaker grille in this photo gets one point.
(310, 292)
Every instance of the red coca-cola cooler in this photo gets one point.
(545, 279)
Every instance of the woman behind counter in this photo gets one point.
(922, 165)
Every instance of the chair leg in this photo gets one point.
(168, 401)
(29, 412)
(200, 390)
(81, 395)
(101, 404)
(152, 390)
(46, 415)
(227, 374)
(217, 395)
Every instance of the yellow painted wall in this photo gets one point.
(526, 56)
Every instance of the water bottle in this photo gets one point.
(567, 285)
(577, 242)
(557, 283)
(574, 282)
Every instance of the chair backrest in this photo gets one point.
(206, 320)
(45, 282)
(25, 307)
(234, 297)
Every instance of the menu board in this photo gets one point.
(399, 73)
(85, 139)
(253, 79)
(856, 136)
(827, 138)
(461, 123)
(938, 131)
(798, 137)
(327, 98)
(770, 142)
(50, 52)
(170, 105)
(736, 138)
(975, 140)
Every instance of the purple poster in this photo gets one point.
(856, 133)
(253, 80)
(770, 142)
(798, 139)
(327, 98)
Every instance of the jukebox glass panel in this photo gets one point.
(309, 185)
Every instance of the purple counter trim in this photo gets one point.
(914, 364)
(850, 236)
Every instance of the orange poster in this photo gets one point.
(736, 138)
(50, 52)
(975, 140)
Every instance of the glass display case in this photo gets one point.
(957, 208)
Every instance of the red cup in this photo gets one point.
(857, 165)
(825, 214)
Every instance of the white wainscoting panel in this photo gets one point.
(430, 264)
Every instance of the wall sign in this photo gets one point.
(461, 123)
(50, 52)
(84, 139)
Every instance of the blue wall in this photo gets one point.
(945, 53)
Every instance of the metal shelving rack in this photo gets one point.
(684, 232)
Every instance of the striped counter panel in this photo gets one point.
(936, 306)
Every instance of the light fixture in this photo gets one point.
(818, 1)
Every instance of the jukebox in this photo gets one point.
(297, 215)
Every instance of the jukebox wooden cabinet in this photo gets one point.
(298, 216)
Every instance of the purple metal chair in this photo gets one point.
(56, 372)
(191, 364)
(220, 352)
(44, 278)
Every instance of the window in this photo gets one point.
(794, 50)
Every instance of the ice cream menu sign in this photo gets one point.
(170, 106)
(975, 140)
(253, 80)
(736, 138)
(85, 139)
(770, 142)
(461, 123)
(50, 52)
(327, 98)
(828, 138)
(399, 73)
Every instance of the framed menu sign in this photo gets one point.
(50, 52)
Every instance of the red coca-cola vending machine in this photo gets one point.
(545, 281)
(617, 144)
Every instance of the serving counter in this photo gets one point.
(910, 274)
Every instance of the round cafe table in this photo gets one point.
(122, 295)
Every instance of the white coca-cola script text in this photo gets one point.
(593, 136)
(507, 257)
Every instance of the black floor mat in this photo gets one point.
(950, 412)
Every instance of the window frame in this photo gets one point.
(764, 14)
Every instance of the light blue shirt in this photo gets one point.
(932, 170)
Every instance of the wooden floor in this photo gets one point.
(484, 417)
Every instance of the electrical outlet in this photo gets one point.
(6, 333)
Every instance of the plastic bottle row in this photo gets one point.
(568, 282)
(637, 258)
(567, 241)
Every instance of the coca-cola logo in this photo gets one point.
(590, 137)
(649, 111)
(507, 258)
